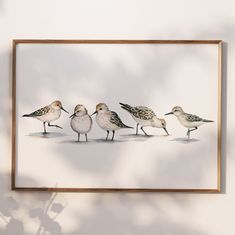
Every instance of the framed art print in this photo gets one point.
(116, 115)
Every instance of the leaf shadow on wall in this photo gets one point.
(8, 205)
(48, 223)
(11, 204)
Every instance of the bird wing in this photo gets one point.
(192, 118)
(115, 119)
(40, 112)
(143, 112)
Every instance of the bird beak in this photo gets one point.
(64, 110)
(72, 115)
(165, 130)
(94, 113)
(169, 113)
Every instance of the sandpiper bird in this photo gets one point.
(188, 120)
(81, 121)
(108, 120)
(48, 114)
(144, 116)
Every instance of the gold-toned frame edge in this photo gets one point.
(90, 190)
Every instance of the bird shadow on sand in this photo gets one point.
(75, 142)
(185, 140)
(94, 141)
(48, 135)
(109, 141)
(141, 137)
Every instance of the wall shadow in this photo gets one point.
(8, 206)
(136, 216)
(13, 203)
(1, 5)
(5, 90)
(48, 223)
(224, 131)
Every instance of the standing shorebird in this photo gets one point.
(108, 120)
(48, 114)
(144, 116)
(188, 120)
(81, 121)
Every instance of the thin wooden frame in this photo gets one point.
(54, 189)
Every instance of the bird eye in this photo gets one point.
(100, 108)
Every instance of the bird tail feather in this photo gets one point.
(26, 115)
(204, 120)
(127, 107)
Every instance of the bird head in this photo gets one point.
(177, 111)
(101, 108)
(159, 123)
(79, 110)
(57, 105)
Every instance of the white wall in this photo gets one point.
(157, 213)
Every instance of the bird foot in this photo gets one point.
(56, 126)
(188, 134)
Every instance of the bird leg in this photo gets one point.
(78, 137)
(54, 125)
(44, 125)
(113, 135)
(143, 130)
(86, 137)
(137, 128)
(107, 135)
(188, 132)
